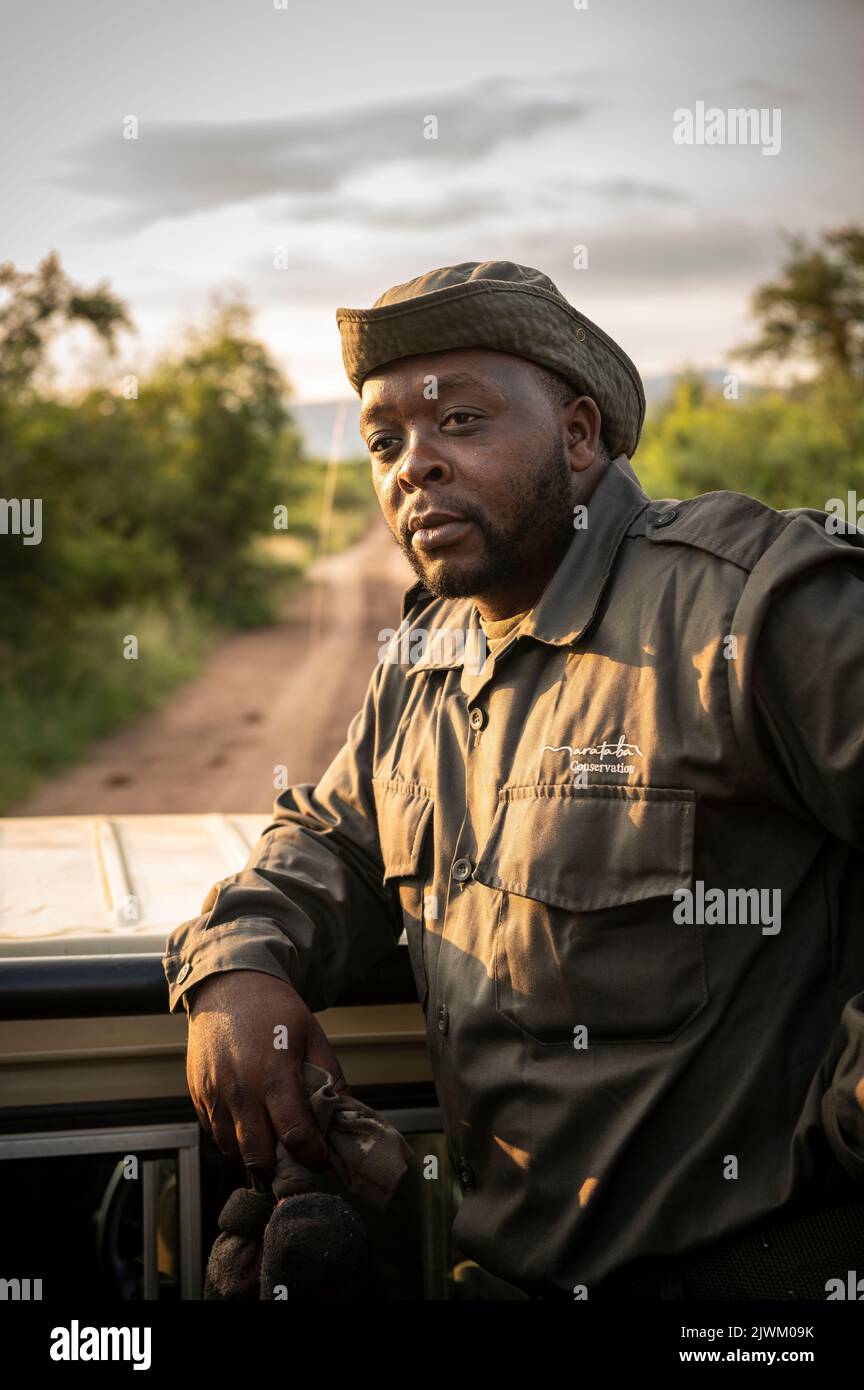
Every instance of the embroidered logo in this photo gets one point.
(615, 755)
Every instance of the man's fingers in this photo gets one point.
(215, 1121)
(256, 1140)
(222, 1129)
(247, 1135)
(293, 1122)
(319, 1051)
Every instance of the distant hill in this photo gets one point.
(316, 419)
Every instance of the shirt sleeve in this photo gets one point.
(310, 905)
(798, 706)
(797, 683)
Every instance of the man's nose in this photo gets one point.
(422, 463)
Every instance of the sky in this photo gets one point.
(281, 151)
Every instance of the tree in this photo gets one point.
(217, 418)
(34, 305)
(815, 309)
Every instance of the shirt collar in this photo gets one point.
(570, 600)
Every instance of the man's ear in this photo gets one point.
(583, 424)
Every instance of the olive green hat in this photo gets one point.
(509, 307)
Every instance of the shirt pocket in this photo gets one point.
(585, 934)
(404, 811)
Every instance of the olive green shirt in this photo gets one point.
(683, 706)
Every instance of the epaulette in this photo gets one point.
(730, 525)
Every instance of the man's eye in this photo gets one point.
(460, 416)
(380, 443)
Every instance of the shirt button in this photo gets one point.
(461, 870)
(477, 718)
(183, 973)
(443, 1019)
(665, 518)
(465, 1173)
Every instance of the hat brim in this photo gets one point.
(524, 320)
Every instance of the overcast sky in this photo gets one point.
(303, 128)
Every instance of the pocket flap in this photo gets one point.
(585, 848)
(404, 810)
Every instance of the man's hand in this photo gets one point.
(247, 1092)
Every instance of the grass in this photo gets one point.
(95, 689)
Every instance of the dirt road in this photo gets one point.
(278, 695)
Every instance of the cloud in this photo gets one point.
(178, 168)
(625, 259)
(465, 205)
(636, 190)
(655, 257)
(460, 205)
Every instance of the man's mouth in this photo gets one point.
(435, 530)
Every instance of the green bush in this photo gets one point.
(789, 449)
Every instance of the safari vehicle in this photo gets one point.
(110, 1187)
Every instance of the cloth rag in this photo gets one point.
(368, 1154)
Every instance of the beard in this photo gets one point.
(538, 520)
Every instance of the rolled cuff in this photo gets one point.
(247, 944)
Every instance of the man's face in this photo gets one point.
(473, 468)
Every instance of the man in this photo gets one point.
(627, 849)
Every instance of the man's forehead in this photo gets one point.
(406, 381)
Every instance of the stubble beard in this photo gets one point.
(540, 520)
